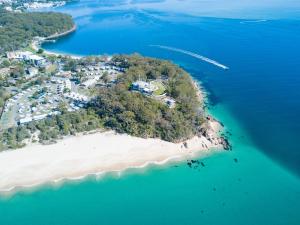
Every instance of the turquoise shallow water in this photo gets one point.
(257, 99)
(255, 190)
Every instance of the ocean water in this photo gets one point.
(257, 99)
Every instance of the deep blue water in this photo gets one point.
(257, 99)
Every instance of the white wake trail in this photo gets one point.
(253, 21)
(195, 55)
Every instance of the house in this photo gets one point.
(12, 81)
(170, 102)
(31, 72)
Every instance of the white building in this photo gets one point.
(26, 56)
(76, 97)
(143, 87)
(40, 117)
(25, 120)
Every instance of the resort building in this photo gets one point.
(26, 56)
(36, 60)
(25, 120)
(143, 87)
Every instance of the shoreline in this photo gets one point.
(77, 157)
(37, 44)
(59, 35)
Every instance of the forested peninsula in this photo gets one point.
(47, 97)
(17, 30)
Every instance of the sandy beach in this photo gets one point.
(96, 153)
(36, 45)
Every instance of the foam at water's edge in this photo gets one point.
(97, 174)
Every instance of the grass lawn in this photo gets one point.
(160, 87)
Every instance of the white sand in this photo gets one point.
(89, 154)
(36, 46)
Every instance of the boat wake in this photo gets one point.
(195, 55)
(253, 21)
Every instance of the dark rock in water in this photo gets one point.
(229, 133)
(195, 161)
(202, 164)
(214, 189)
(225, 143)
(223, 204)
(185, 145)
(239, 179)
(236, 160)
(202, 211)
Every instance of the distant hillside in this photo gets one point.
(18, 29)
